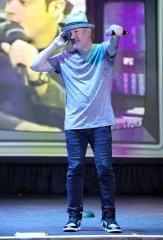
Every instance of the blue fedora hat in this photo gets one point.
(76, 20)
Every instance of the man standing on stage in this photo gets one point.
(87, 74)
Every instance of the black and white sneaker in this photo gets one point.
(110, 225)
(74, 222)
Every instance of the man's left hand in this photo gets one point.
(117, 29)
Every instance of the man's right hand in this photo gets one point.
(59, 41)
(40, 63)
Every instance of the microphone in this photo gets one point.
(9, 32)
(109, 32)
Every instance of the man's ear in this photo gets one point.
(89, 31)
(56, 8)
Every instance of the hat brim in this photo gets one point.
(74, 26)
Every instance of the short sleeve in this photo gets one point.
(54, 63)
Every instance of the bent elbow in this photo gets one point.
(34, 68)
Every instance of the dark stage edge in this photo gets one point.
(43, 217)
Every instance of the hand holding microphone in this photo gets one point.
(15, 44)
(115, 30)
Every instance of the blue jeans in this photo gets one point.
(100, 140)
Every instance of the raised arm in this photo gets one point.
(40, 63)
(112, 44)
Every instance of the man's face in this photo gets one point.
(79, 37)
(32, 15)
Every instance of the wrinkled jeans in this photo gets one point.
(100, 140)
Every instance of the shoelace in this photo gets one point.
(73, 217)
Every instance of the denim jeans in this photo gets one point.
(100, 140)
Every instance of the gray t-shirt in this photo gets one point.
(88, 82)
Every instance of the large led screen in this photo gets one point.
(32, 115)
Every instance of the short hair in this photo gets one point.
(68, 9)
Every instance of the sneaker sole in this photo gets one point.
(113, 231)
(69, 229)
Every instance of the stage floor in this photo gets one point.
(44, 217)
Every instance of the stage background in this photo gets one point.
(137, 89)
(47, 175)
(35, 163)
